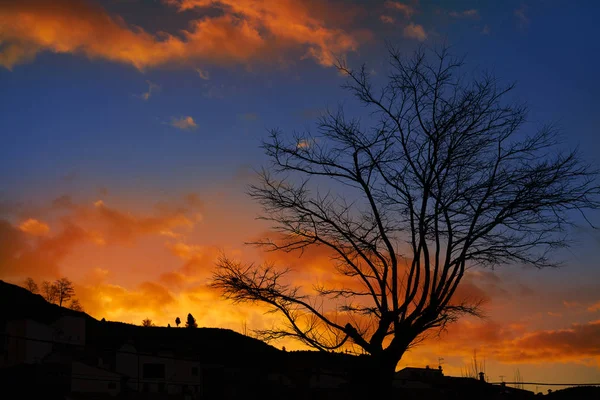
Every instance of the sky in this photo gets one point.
(130, 130)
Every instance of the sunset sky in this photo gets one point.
(131, 128)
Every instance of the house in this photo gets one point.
(158, 371)
(417, 378)
(49, 351)
(26, 342)
(419, 374)
(69, 329)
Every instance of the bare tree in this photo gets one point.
(445, 178)
(64, 290)
(474, 369)
(75, 305)
(49, 291)
(30, 285)
(147, 323)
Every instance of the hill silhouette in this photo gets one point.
(19, 303)
(214, 345)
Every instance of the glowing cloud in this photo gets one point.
(34, 227)
(290, 22)
(245, 31)
(185, 123)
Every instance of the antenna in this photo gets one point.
(440, 359)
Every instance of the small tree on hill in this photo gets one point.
(147, 323)
(30, 285)
(177, 321)
(49, 292)
(75, 305)
(64, 290)
(191, 322)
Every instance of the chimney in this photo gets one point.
(482, 377)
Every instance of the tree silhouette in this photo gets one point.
(191, 322)
(147, 323)
(177, 321)
(441, 181)
(64, 290)
(49, 291)
(75, 305)
(30, 285)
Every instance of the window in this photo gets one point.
(161, 387)
(194, 371)
(154, 371)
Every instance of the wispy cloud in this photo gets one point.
(386, 19)
(471, 13)
(185, 123)
(249, 116)
(521, 16)
(403, 8)
(415, 31)
(152, 88)
(203, 74)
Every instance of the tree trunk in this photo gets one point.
(374, 380)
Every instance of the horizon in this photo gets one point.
(131, 130)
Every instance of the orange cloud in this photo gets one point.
(577, 343)
(184, 123)
(124, 227)
(198, 262)
(105, 300)
(34, 227)
(245, 31)
(31, 249)
(594, 307)
(514, 343)
(22, 256)
(163, 303)
(289, 22)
